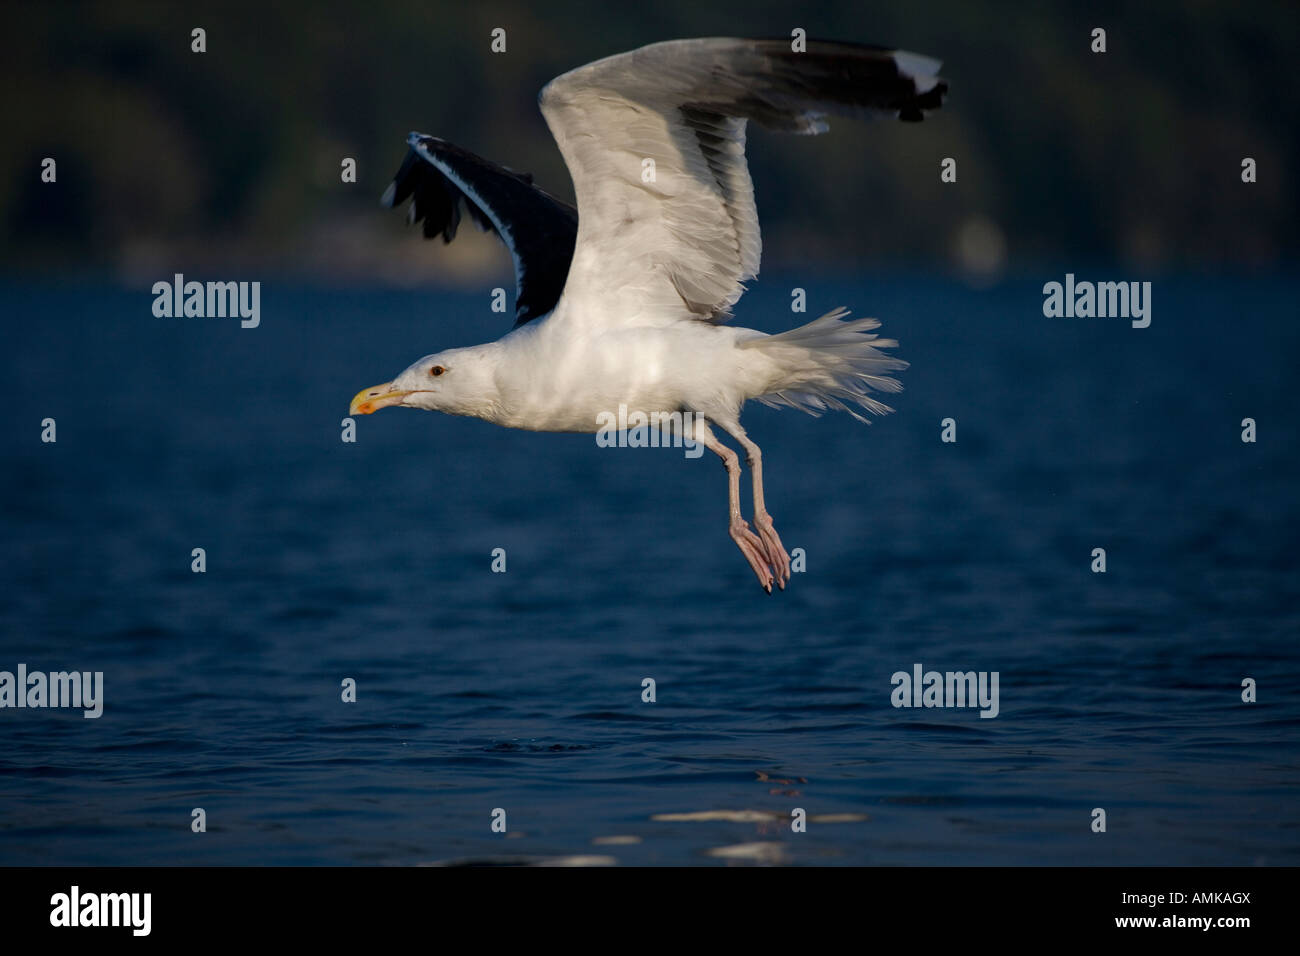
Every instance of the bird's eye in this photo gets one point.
(436, 371)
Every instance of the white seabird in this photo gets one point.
(620, 302)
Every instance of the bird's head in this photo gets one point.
(457, 381)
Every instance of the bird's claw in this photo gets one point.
(774, 550)
(754, 550)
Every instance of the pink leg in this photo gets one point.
(751, 546)
(774, 550)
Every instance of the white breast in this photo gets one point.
(552, 379)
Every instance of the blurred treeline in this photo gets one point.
(168, 158)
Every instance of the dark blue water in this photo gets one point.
(522, 690)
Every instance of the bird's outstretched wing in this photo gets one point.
(655, 142)
(538, 229)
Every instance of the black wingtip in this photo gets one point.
(445, 182)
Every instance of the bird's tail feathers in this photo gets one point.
(832, 362)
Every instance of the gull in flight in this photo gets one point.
(623, 301)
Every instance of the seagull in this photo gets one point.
(624, 300)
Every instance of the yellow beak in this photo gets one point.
(372, 399)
